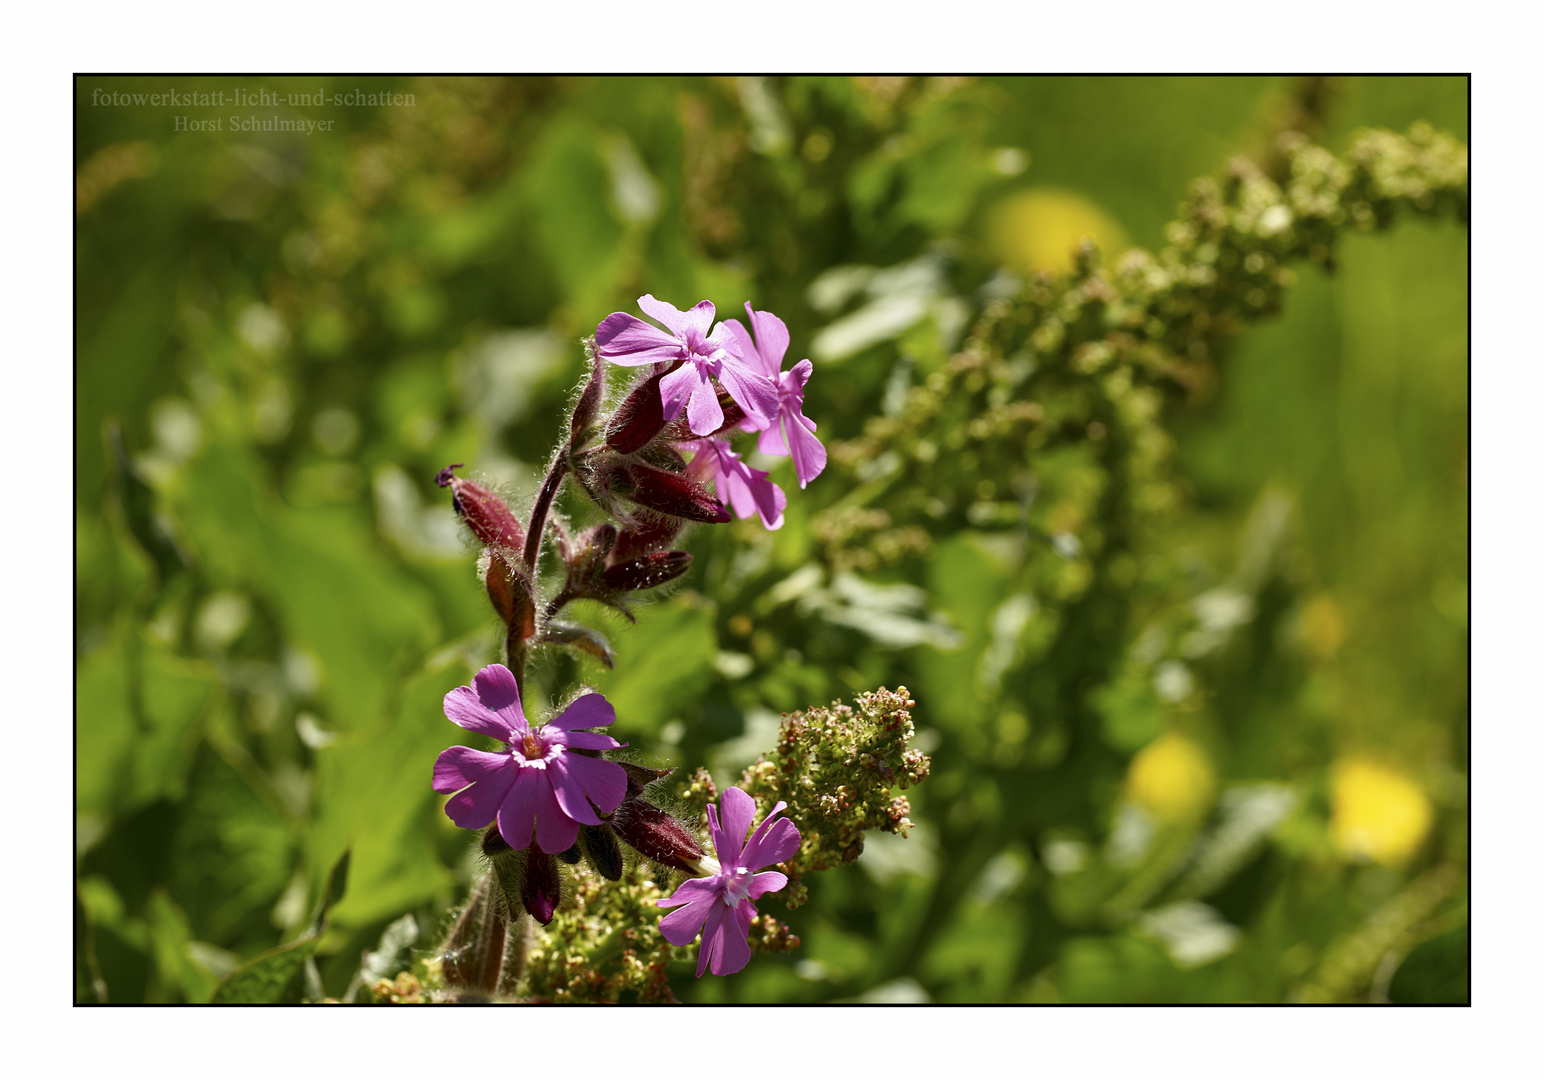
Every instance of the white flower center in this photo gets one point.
(737, 886)
(534, 752)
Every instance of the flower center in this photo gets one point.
(737, 886)
(532, 747)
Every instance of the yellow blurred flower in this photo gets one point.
(1377, 812)
(1039, 228)
(1172, 778)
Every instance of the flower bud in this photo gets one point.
(648, 571)
(509, 589)
(588, 405)
(668, 493)
(656, 835)
(651, 533)
(638, 419)
(489, 516)
(601, 848)
(541, 889)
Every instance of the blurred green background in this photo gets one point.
(1254, 789)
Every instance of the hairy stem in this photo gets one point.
(538, 525)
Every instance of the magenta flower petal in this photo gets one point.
(739, 343)
(712, 936)
(773, 843)
(496, 687)
(603, 783)
(591, 710)
(770, 881)
(704, 415)
(568, 791)
(584, 740)
(681, 323)
(541, 784)
(751, 390)
(556, 831)
(517, 815)
(463, 709)
(722, 906)
(809, 456)
(461, 765)
(628, 340)
(727, 941)
(771, 338)
(690, 891)
(736, 812)
(770, 441)
(475, 807)
(682, 386)
(685, 923)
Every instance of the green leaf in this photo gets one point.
(278, 976)
(1436, 972)
(663, 662)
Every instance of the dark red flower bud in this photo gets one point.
(541, 889)
(588, 405)
(656, 835)
(651, 533)
(672, 494)
(601, 848)
(639, 418)
(640, 777)
(648, 571)
(489, 516)
(510, 591)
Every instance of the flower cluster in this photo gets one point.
(722, 379)
(653, 462)
(549, 793)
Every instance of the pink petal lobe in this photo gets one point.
(476, 806)
(737, 342)
(703, 414)
(775, 842)
(568, 792)
(661, 311)
(463, 709)
(584, 740)
(771, 336)
(770, 881)
(555, 830)
(809, 456)
(689, 890)
(517, 816)
(712, 934)
(497, 688)
(461, 765)
(731, 949)
(771, 439)
(591, 710)
(737, 811)
(602, 782)
(628, 340)
(752, 391)
(678, 386)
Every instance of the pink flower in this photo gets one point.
(722, 906)
(627, 340)
(790, 433)
(538, 782)
(746, 490)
